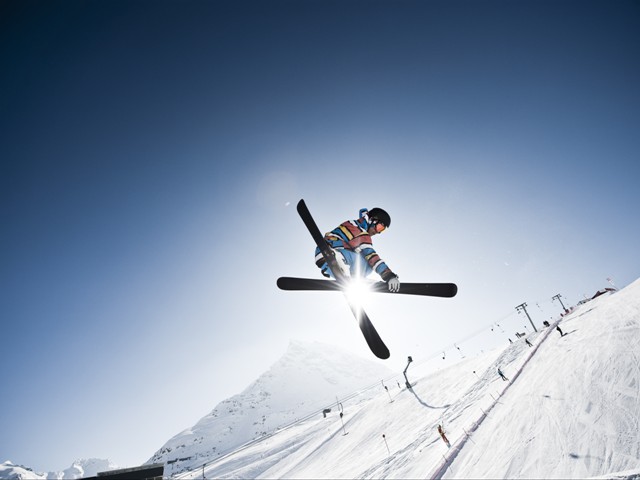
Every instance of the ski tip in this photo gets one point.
(454, 290)
(383, 355)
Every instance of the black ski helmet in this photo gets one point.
(378, 214)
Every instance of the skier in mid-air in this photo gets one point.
(353, 247)
(347, 252)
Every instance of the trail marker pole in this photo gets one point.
(341, 415)
(384, 437)
(390, 399)
(343, 429)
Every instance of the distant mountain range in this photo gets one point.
(78, 469)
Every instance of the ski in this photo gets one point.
(371, 335)
(445, 290)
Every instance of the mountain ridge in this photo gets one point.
(306, 379)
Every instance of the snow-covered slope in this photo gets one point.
(306, 379)
(575, 412)
(571, 409)
(78, 469)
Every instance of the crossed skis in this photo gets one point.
(372, 337)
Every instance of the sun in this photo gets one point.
(357, 290)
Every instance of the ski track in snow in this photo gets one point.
(571, 409)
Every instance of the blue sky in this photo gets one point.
(153, 152)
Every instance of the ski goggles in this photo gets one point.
(379, 227)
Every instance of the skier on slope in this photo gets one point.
(353, 247)
(443, 435)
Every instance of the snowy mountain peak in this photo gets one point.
(81, 468)
(10, 471)
(87, 467)
(307, 378)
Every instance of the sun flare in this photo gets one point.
(357, 290)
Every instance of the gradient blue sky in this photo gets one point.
(153, 152)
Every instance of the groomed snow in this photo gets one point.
(571, 409)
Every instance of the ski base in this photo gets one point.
(444, 290)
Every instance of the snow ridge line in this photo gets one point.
(188, 472)
(441, 469)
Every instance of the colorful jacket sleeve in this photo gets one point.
(351, 235)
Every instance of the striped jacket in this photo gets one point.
(353, 235)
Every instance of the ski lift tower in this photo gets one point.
(558, 297)
(523, 306)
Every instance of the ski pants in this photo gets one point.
(356, 263)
